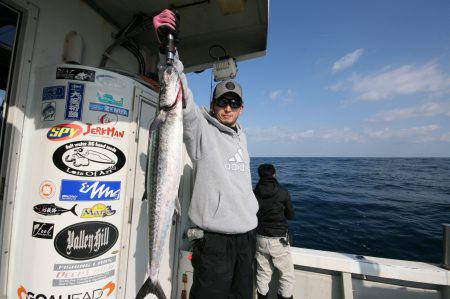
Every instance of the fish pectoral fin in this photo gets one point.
(158, 120)
(177, 206)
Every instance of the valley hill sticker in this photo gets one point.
(86, 240)
(88, 158)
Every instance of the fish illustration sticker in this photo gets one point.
(88, 158)
(48, 111)
(86, 240)
(52, 209)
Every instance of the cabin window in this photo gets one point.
(9, 22)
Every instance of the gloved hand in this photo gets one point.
(164, 23)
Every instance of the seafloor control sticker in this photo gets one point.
(53, 93)
(88, 158)
(42, 230)
(68, 73)
(86, 240)
(108, 108)
(74, 190)
(48, 111)
(74, 101)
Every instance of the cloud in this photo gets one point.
(445, 137)
(347, 61)
(283, 95)
(404, 80)
(427, 109)
(275, 94)
(419, 134)
(280, 134)
(413, 134)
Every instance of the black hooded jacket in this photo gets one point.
(275, 207)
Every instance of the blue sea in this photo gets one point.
(384, 207)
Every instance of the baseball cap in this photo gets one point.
(227, 86)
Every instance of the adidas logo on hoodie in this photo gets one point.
(236, 163)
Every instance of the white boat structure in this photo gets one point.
(57, 51)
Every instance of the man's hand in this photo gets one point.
(164, 23)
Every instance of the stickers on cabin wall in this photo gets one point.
(82, 273)
(48, 111)
(69, 73)
(88, 158)
(53, 93)
(86, 240)
(42, 230)
(74, 190)
(47, 189)
(63, 132)
(108, 109)
(74, 101)
(52, 209)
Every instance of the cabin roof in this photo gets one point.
(240, 26)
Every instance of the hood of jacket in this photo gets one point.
(266, 187)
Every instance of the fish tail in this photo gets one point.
(150, 287)
(73, 210)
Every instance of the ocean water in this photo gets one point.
(384, 207)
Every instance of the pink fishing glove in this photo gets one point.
(164, 22)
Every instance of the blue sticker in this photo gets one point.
(74, 190)
(53, 93)
(74, 102)
(108, 108)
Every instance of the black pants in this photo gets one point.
(223, 266)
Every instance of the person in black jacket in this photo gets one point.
(273, 250)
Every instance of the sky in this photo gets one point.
(348, 79)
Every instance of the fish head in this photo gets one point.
(170, 87)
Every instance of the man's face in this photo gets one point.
(227, 115)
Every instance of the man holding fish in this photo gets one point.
(223, 205)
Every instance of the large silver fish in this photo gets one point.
(163, 173)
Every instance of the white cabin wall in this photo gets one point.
(57, 18)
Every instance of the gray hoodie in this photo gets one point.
(222, 199)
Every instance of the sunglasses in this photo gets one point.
(223, 102)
